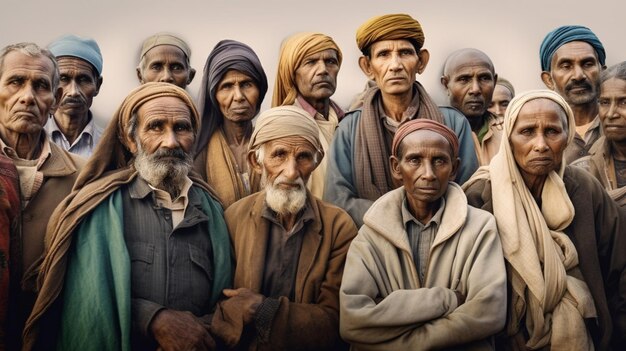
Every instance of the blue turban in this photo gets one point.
(226, 55)
(563, 35)
(83, 48)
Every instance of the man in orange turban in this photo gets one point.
(358, 170)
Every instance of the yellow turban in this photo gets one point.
(389, 27)
(292, 53)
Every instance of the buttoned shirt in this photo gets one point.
(83, 145)
(283, 253)
(171, 267)
(421, 236)
(580, 146)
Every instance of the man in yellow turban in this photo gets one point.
(307, 78)
(358, 170)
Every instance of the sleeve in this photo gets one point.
(469, 162)
(314, 326)
(425, 317)
(143, 311)
(339, 184)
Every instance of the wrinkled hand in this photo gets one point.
(247, 299)
(181, 330)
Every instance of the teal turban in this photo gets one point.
(563, 35)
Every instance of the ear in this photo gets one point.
(58, 95)
(98, 85)
(131, 143)
(192, 73)
(139, 75)
(444, 81)
(546, 77)
(455, 168)
(424, 57)
(364, 63)
(395, 168)
(254, 164)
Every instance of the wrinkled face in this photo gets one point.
(470, 86)
(575, 73)
(612, 112)
(79, 84)
(237, 95)
(166, 63)
(538, 138)
(316, 78)
(500, 100)
(287, 165)
(26, 96)
(393, 65)
(424, 166)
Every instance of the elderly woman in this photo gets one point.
(233, 87)
(563, 237)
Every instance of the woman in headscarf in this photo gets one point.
(233, 87)
(563, 237)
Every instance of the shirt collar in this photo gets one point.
(52, 127)
(302, 103)
(43, 156)
(140, 188)
(408, 114)
(408, 217)
(305, 214)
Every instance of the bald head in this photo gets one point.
(469, 77)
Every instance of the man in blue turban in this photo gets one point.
(571, 60)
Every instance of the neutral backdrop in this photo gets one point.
(510, 32)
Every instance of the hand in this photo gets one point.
(180, 330)
(247, 299)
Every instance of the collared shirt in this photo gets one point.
(30, 177)
(421, 236)
(580, 146)
(283, 253)
(171, 267)
(83, 145)
(178, 205)
(303, 104)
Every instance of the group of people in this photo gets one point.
(497, 222)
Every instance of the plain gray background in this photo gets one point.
(510, 32)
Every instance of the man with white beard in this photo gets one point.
(139, 252)
(290, 247)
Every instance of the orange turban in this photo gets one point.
(425, 124)
(389, 27)
(292, 53)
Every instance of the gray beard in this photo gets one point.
(284, 201)
(168, 174)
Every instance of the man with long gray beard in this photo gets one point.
(290, 247)
(139, 252)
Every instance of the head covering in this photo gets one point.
(164, 39)
(292, 52)
(539, 254)
(505, 83)
(389, 27)
(226, 55)
(84, 48)
(563, 35)
(112, 152)
(284, 121)
(425, 124)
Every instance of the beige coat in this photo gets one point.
(383, 306)
(491, 140)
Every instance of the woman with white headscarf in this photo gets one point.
(564, 239)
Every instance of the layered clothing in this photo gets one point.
(311, 320)
(581, 145)
(487, 141)
(384, 304)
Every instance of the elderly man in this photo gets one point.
(139, 252)
(307, 78)
(358, 169)
(289, 246)
(232, 91)
(424, 262)
(572, 58)
(29, 93)
(502, 96)
(470, 79)
(165, 58)
(607, 157)
(72, 126)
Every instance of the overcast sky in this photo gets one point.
(510, 32)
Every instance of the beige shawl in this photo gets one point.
(540, 257)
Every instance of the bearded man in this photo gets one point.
(139, 252)
(290, 247)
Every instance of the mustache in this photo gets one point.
(575, 85)
(73, 100)
(169, 153)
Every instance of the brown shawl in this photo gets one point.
(371, 157)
